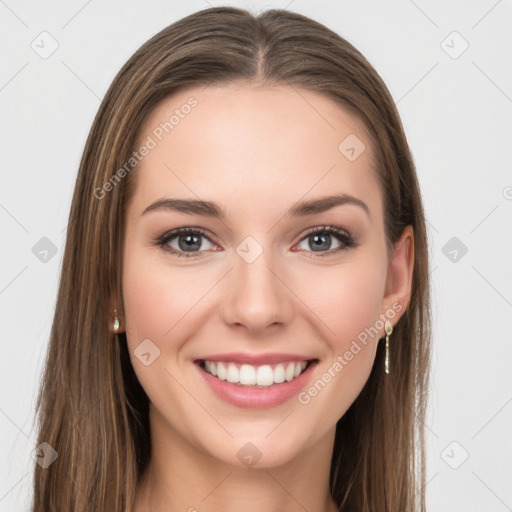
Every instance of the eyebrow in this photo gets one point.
(211, 209)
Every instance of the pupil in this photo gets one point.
(190, 241)
(317, 238)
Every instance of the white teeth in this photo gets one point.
(289, 372)
(265, 376)
(221, 371)
(279, 374)
(248, 375)
(232, 374)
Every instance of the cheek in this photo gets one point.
(162, 303)
(346, 298)
(158, 306)
(348, 304)
(146, 308)
(151, 299)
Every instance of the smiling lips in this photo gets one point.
(249, 375)
(256, 381)
(255, 370)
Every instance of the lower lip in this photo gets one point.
(257, 398)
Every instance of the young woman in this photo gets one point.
(243, 316)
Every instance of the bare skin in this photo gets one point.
(256, 151)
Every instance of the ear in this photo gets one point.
(399, 279)
(114, 305)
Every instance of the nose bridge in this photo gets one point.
(257, 297)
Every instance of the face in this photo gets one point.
(257, 280)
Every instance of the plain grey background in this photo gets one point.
(448, 67)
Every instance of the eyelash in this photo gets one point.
(343, 236)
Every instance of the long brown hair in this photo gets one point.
(91, 408)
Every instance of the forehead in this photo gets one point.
(249, 144)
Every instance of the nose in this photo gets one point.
(256, 295)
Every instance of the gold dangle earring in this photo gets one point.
(389, 329)
(116, 321)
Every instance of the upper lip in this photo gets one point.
(255, 359)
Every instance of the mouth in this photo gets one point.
(261, 376)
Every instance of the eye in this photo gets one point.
(191, 242)
(320, 240)
(185, 242)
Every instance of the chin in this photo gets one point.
(257, 452)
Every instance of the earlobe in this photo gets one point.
(400, 272)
